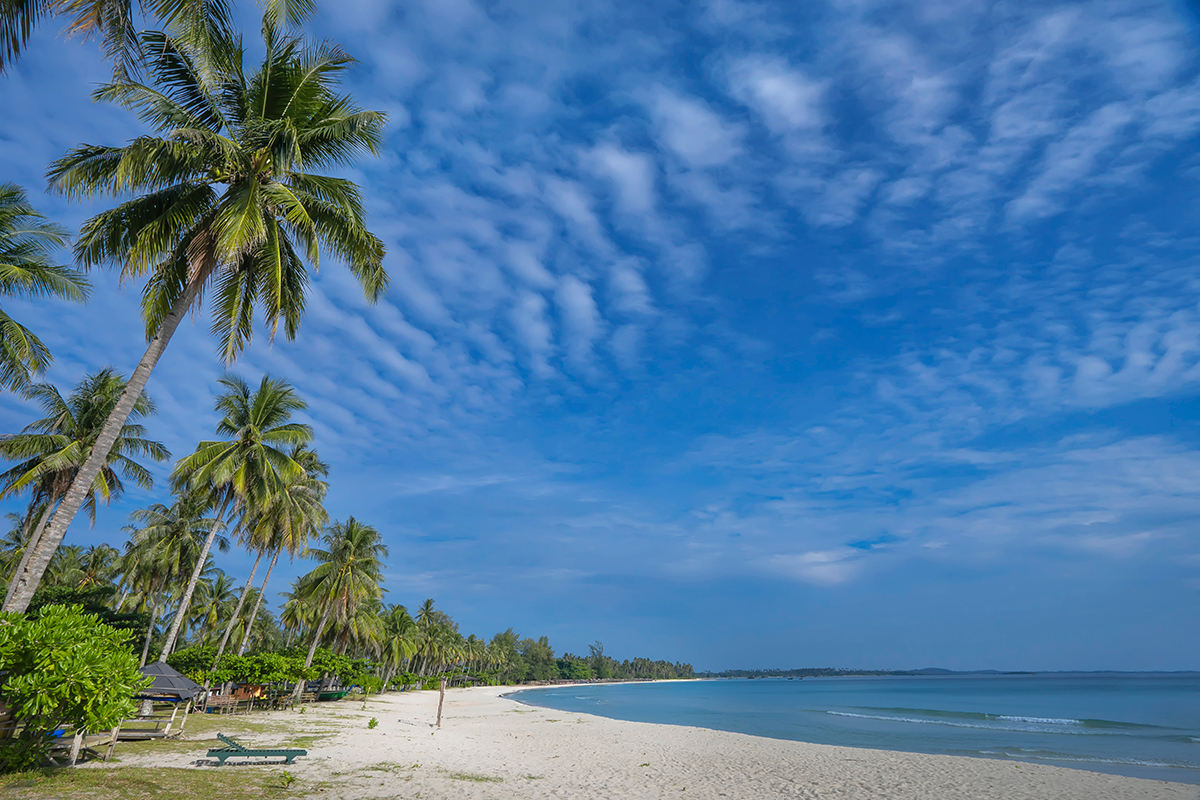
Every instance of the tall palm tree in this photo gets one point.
(211, 605)
(113, 21)
(245, 470)
(27, 269)
(51, 450)
(350, 572)
(226, 197)
(167, 543)
(291, 517)
(399, 639)
(99, 566)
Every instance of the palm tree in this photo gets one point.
(28, 270)
(212, 605)
(350, 572)
(51, 450)
(99, 566)
(244, 471)
(172, 541)
(399, 640)
(290, 518)
(226, 197)
(113, 21)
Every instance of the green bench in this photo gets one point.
(234, 750)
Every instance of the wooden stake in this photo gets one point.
(76, 743)
(441, 699)
(186, 709)
(113, 744)
(171, 721)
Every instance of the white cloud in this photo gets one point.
(788, 100)
(692, 130)
(581, 319)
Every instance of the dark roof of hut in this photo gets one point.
(168, 683)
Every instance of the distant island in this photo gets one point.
(842, 672)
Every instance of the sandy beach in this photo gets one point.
(490, 746)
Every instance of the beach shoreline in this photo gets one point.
(493, 746)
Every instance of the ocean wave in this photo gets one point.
(933, 714)
(990, 722)
(1045, 755)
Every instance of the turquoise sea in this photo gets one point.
(1141, 725)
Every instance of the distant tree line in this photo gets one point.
(808, 672)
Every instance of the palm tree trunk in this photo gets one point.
(258, 604)
(149, 633)
(186, 601)
(124, 597)
(26, 581)
(237, 609)
(43, 519)
(312, 648)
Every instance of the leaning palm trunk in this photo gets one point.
(312, 648)
(237, 610)
(149, 634)
(257, 605)
(43, 519)
(186, 601)
(26, 580)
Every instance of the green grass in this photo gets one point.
(151, 783)
(471, 776)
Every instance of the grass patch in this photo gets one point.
(151, 783)
(471, 776)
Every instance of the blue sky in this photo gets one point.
(857, 334)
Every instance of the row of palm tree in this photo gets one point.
(223, 198)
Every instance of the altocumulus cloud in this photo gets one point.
(692, 302)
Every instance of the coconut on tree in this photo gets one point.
(228, 202)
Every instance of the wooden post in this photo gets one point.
(76, 743)
(171, 721)
(186, 709)
(441, 699)
(113, 744)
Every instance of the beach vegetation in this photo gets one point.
(226, 195)
(63, 669)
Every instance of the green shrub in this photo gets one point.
(63, 669)
(374, 722)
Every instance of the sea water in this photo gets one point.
(1140, 725)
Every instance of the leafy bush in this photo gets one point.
(371, 725)
(63, 669)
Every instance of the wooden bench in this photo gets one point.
(222, 703)
(234, 750)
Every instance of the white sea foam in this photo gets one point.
(1054, 725)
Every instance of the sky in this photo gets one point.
(860, 334)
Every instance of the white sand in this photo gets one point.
(492, 747)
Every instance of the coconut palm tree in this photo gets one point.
(99, 566)
(290, 519)
(27, 269)
(286, 517)
(227, 197)
(241, 473)
(113, 21)
(51, 450)
(167, 543)
(211, 605)
(350, 572)
(399, 639)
